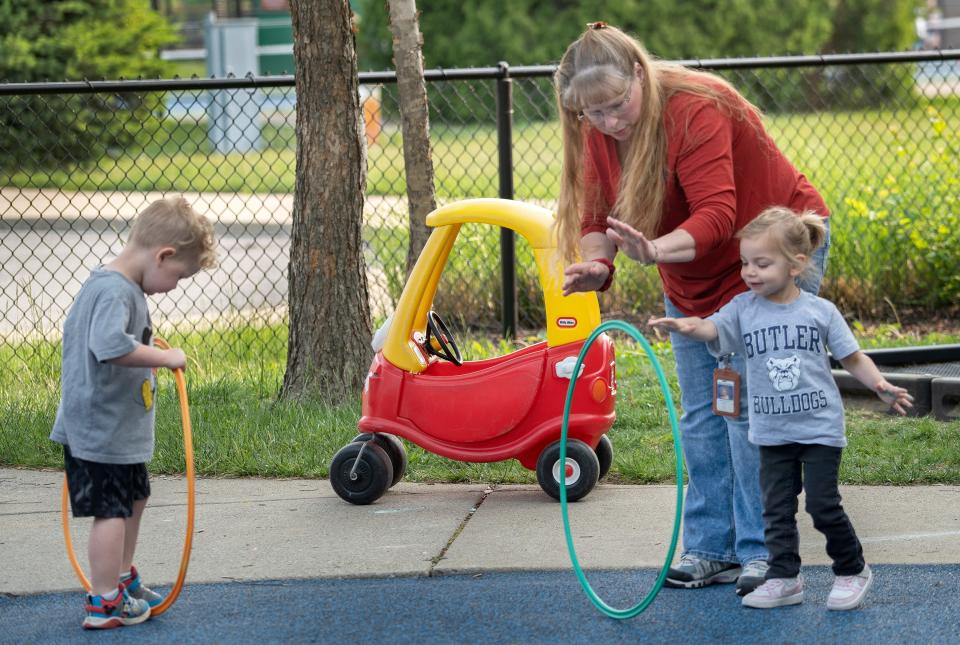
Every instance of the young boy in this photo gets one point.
(106, 415)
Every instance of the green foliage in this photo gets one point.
(533, 32)
(529, 32)
(865, 26)
(240, 428)
(61, 40)
(905, 226)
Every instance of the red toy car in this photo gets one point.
(509, 407)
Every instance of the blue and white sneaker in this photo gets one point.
(119, 612)
(138, 590)
(693, 572)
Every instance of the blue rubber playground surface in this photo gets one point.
(907, 604)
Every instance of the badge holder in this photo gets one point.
(726, 389)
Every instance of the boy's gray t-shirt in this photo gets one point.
(106, 412)
(792, 396)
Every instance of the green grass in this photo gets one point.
(242, 429)
(836, 150)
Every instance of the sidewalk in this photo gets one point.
(252, 529)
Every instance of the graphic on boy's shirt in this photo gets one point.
(784, 373)
(146, 389)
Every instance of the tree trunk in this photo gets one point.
(329, 348)
(415, 119)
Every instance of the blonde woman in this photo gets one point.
(666, 164)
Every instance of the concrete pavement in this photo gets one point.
(261, 529)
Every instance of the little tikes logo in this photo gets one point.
(566, 323)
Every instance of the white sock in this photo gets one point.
(111, 595)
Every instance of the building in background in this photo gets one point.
(273, 30)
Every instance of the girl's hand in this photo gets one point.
(896, 397)
(632, 242)
(680, 325)
(584, 276)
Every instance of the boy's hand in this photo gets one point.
(175, 358)
(896, 397)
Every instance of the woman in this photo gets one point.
(683, 162)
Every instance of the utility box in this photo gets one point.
(233, 116)
(274, 36)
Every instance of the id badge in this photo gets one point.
(726, 392)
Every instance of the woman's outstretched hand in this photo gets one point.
(584, 276)
(632, 242)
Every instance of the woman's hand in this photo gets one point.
(584, 276)
(632, 242)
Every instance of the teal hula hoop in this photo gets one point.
(598, 602)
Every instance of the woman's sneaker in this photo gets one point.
(693, 572)
(753, 575)
(138, 590)
(119, 612)
(775, 592)
(849, 591)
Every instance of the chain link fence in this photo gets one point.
(876, 134)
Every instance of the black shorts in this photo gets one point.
(104, 490)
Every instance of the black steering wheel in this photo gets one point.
(437, 332)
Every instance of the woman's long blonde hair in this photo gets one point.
(596, 68)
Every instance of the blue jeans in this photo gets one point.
(722, 513)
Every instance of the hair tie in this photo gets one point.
(597, 25)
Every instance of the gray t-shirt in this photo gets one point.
(792, 397)
(106, 412)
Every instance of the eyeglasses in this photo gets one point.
(616, 111)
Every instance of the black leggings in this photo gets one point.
(784, 471)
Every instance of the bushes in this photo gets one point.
(531, 32)
(74, 40)
(897, 242)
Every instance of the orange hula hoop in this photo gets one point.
(191, 502)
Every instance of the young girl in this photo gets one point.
(795, 409)
(664, 164)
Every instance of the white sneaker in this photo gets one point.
(753, 575)
(775, 592)
(849, 591)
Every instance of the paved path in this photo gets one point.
(51, 239)
(287, 560)
(256, 529)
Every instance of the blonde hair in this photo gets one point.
(173, 222)
(597, 67)
(792, 233)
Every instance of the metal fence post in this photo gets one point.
(508, 273)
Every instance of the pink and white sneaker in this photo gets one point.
(776, 592)
(849, 591)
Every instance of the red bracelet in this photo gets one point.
(607, 263)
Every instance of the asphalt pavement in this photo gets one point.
(287, 560)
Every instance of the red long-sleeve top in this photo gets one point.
(721, 173)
